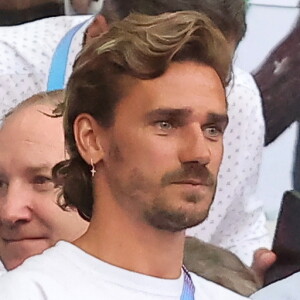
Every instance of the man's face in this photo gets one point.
(164, 150)
(30, 220)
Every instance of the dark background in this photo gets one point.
(13, 12)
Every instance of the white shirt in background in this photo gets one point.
(26, 54)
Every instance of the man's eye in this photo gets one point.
(213, 132)
(164, 125)
(42, 183)
(41, 180)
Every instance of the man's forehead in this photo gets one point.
(181, 83)
(31, 124)
(31, 139)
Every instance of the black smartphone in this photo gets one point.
(286, 243)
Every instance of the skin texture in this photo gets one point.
(156, 168)
(30, 220)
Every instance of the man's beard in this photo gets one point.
(177, 220)
(155, 209)
(167, 218)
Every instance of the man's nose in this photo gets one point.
(15, 206)
(195, 147)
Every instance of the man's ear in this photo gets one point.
(97, 27)
(87, 133)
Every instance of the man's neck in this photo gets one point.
(120, 240)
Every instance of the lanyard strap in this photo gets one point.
(188, 291)
(57, 73)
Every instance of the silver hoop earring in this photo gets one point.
(93, 170)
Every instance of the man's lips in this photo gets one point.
(195, 182)
(20, 239)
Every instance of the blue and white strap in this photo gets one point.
(57, 73)
(188, 291)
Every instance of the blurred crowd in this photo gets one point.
(15, 12)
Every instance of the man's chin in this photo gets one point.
(13, 263)
(176, 221)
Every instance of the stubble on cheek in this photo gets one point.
(144, 197)
(131, 188)
(115, 153)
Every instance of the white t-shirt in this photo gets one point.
(65, 272)
(2, 269)
(236, 220)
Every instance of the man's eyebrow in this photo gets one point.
(38, 169)
(217, 118)
(169, 113)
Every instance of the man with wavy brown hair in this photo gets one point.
(145, 147)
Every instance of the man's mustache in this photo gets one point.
(190, 171)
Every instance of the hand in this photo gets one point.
(262, 261)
